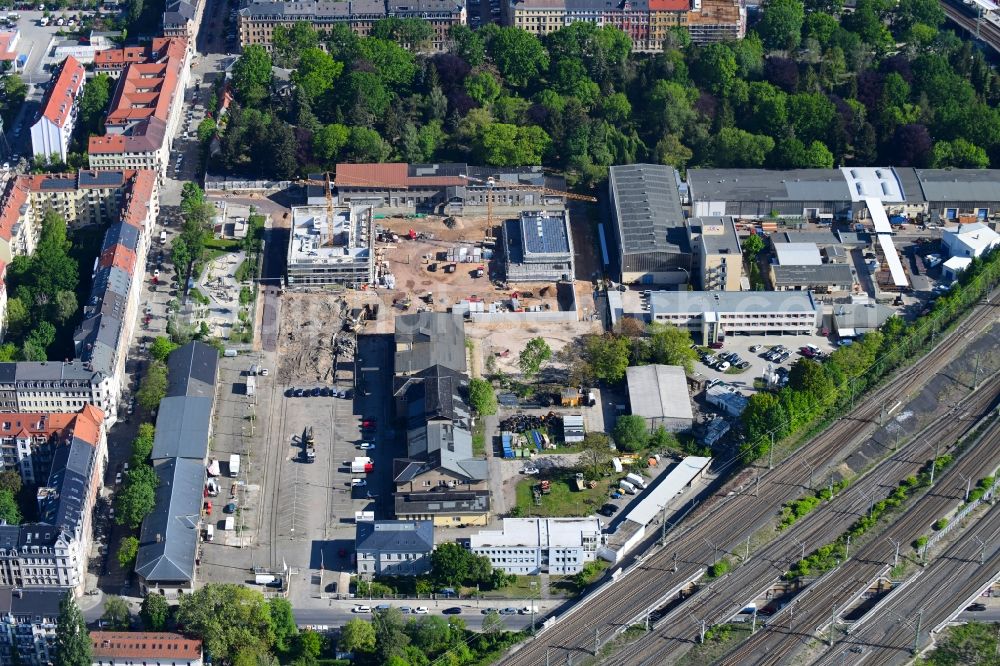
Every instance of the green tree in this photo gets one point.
(116, 613)
(595, 452)
(283, 624)
(607, 356)
(154, 612)
(467, 44)
(161, 348)
(72, 641)
(206, 130)
(482, 87)
(663, 440)
(308, 646)
(18, 318)
(631, 432)
(64, 306)
(738, 148)
(449, 564)
(534, 354)
(716, 68)
(289, 42)
(128, 548)
(781, 25)
(357, 636)
(316, 73)
(93, 103)
(669, 345)
(365, 145)
(518, 55)
(329, 142)
(412, 33)
(502, 144)
(137, 497)
(395, 66)
(390, 637)
(228, 618)
(10, 481)
(482, 397)
(142, 445)
(10, 513)
(252, 76)
(8, 352)
(752, 246)
(493, 623)
(154, 386)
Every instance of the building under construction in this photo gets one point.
(538, 247)
(330, 245)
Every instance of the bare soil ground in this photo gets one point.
(495, 339)
(309, 325)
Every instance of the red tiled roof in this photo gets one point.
(118, 256)
(60, 98)
(372, 175)
(164, 646)
(89, 421)
(140, 197)
(35, 424)
(669, 5)
(13, 201)
(7, 51)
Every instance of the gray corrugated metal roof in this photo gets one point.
(659, 391)
(436, 393)
(647, 207)
(961, 185)
(168, 541)
(909, 184)
(821, 274)
(429, 338)
(52, 371)
(183, 425)
(767, 185)
(193, 370)
(395, 536)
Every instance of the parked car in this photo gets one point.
(529, 470)
(315, 392)
(487, 611)
(608, 510)
(361, 609)
(755, 348)
(420, 610)
(508, 611)
(454, 610)
(976, 607)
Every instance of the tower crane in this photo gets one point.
(492, 182)
(327, 182)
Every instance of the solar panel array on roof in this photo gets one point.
(544, 234)
(58, 184)
(101, 178)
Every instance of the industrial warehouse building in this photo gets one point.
(538, 247)
(648, 225)
(658, 393)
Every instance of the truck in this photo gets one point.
(251, 386)
(230, 524)
(362, 465)
(208, 534)
(234, 465)
(264, 579)
(627, 487)
(636, 480)
(309, 445)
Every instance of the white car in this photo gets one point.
(367, 446)
(529, 470)
(118, 478)
(361, 609)
(156, 273)
(263, 372)
(420, 610)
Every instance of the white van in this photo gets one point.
(209, 533)
(230, 523)
(636, 480)
(627, 487)
(163, 238)
(230, 353)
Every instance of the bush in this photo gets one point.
(720, 568)
(920, 542)
(630, 432)
(940, 524)
(482, 397)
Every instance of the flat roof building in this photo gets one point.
(658, 393)
(720, 257)
(538, 247)
(853, 319)
(648, 225)
(531, 546)
(727, 398)
(754, 193)
(969, 240)
(797, 254)
(324, 251)
(819, 278)
(710, 316)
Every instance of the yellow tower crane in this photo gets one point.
(492, 182)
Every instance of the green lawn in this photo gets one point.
(478, 439)
(521, 589)
(563, 500)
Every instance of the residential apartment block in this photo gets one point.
(125, 204)
(646, 22)
(28, 625)
(258, 19)
(51, 133)
(149, 648)
(69, 466)
(182, 18)
(145, 111)
(394, 547)
(530, 546)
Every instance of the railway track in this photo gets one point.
(988, 32)
(727, 519)
(818, 605)
(719, 601)
(946, 586)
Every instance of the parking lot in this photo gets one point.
(758, 365)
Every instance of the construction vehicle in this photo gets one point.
(309, 445)
(479, 272)
(362, 465)
(546, 487)
(492, 182)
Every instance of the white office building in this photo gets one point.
(529, 546)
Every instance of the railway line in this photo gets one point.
(720, 600)
(726, 520)
(987, 31)
(825, 600)
(945, 587)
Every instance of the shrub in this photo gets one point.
(940, 524)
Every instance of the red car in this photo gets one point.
(368, 424)
(715, 345)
